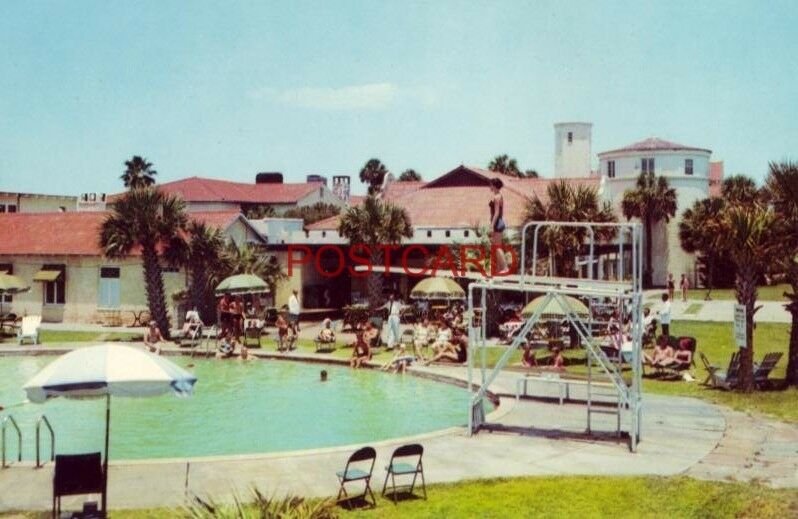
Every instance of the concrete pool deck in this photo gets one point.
(530, 437)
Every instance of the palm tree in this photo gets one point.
(700, 232)
(782, 189)
(749, 238)
(373, 173)
(374, 223)
(652, 200)
(739, 189)
(505, 165)
(410, 175)
(250, 260)
(138, 173)
(206, 262)
(151, 220)
(313, 213)
(568, 203)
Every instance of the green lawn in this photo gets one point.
(49, 337)
(766, 293)
(693, 308)
(715, 341)
(568, 496)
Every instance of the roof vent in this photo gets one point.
(269, 178)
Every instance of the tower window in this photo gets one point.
(570, 137)
(610, 169)
(429, 234)
(647, 165)
(688, 166)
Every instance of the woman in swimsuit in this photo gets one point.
(360, 352)
(153, 338)
(497, 224)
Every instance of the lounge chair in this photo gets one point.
(355, 471)
(77, 474)
(253, 330)
(711, 368)
(676, 369)
(403, 468)
(729, 378)
(193, 335)
(762, 370)
(29, 328)
(325, 344)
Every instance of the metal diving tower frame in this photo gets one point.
(626, 292)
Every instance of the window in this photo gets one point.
(108, 295)
(570, 137)
(688, 166)
(54, 277)
(611, 169)
(647, 165)
(12, 208)
(2, 208)
(448, 233)
(465, 233)
(8, 268)
(323, 234)
(429, 234)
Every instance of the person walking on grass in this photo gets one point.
(671, 286)
(684, 284)
(293, 312)
(665, 315)
(394, 308)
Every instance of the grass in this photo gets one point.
(51, 337)
(567, 496)
(765, 293)
(693, 308)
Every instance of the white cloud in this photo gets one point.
(372, 96)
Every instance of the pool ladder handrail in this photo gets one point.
(6, 420)
(43, 420)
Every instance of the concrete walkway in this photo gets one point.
(718, 310)
(531, 437)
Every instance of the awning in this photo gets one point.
(47, 275)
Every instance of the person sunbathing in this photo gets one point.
(454, 351)
(682, 356)
(360, 352)
(663, 352)
(326, 334)
(153, 338)
(528, 359)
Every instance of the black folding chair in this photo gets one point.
(77, 474)
(357, 473)
(405, 468)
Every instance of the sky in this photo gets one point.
(228, 89)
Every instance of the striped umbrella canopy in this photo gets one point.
(242, 284)
(437, 288)
(554, 308)
(105, 370)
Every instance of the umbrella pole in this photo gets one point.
(105, 460)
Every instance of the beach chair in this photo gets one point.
(728, 379)
(29, 329)
(711, 368)
(253, 330)
(193, 336)
(77, 474)
(355, 471)
(401, 467)
(763, 369)
(325, 345)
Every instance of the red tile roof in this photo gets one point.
(71, 233)
(466, 206)
(396, 189)
(655, 144)
(197, 189)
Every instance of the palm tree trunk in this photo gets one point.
(792, 307)
(647, 267)
(746, 295)
(375, 280)
(153, 282)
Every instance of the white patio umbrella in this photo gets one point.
(105, 370)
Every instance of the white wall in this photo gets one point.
(572, 159)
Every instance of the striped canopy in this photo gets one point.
(437, 288)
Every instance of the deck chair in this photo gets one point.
(355, 471)
(29, 329)
(728, 379)
(193, 336)
(763, 369)
(325, 345)
(711, 368)
(253, 329)
(77, 474)
(405, 468)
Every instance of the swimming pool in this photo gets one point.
(238, 408)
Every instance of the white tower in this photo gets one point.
(572, 149)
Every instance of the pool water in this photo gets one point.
(237, 408)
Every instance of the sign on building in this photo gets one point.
(739, 326)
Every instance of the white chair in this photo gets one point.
(29, 329)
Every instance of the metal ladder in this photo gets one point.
(10, 420)
(43, 420)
